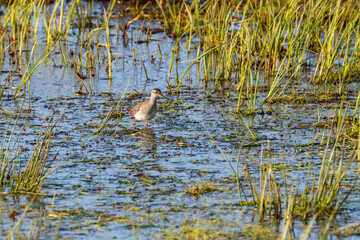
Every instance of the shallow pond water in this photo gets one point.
(127, 182)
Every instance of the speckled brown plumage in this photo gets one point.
(145, 111)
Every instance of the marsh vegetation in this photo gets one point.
(260, 137)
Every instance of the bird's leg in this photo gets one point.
(147, 123)
(134, 122)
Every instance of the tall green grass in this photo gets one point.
(20, 175)
(235, 39)
(22, 20)
(282, 39)
(323, 194)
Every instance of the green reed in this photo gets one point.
(23, 18)
(235, 38)
(31, 67)
(280, 39)
(36, 170)
(323, 194)
(107, 18)
(113, 110)
(19, 175)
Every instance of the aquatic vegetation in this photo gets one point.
(26, 176)
(273, 82)
(249, 37)
(325, 190)
(202, 188)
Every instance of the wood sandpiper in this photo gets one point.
(145, 111)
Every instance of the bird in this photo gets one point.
(145, 111)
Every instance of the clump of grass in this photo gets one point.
(201, 188)
(114, 111)
(37, 168)
(21, 22)
(193, 228)
(19, 176)
(323, 194)
(353, 128)
(237, 39)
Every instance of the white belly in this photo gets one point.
(145, 115)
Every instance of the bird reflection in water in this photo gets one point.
(146, 139)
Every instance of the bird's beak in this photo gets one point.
(163, 96)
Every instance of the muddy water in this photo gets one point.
(127, 182)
